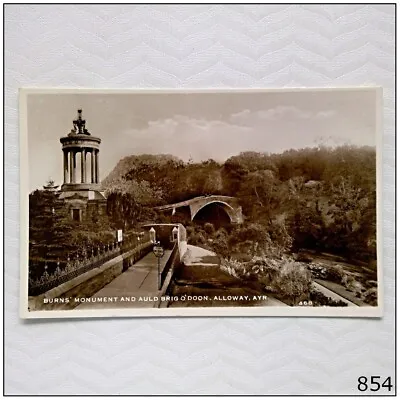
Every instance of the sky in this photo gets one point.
(199, 126)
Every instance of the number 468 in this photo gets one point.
(374, 384)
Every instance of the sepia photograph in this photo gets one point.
(200, 202)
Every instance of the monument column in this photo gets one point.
(92, 165)
(97, 167)
(71, 166)
(74, 166)
(83, 166)
(65, 166)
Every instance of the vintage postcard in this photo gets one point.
(200, 202)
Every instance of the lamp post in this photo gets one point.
(159, 253)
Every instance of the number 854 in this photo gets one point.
(374, 383)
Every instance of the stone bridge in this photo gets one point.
(229, 205)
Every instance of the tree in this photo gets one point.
(352, 231)
(50, 226)
(259, 194)
(232, 174)
(213, 182)
(307, 226)
(294, 281)
(122, 210)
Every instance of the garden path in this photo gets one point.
(140, 280)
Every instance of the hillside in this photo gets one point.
(162, 179)
(128, 163)
(135, 175)
(324, 197)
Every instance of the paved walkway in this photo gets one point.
(125, 291)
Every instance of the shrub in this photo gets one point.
(269, 276)
(303, 257)
(357, 287)
(256, 240)
(334, 273)
(189, 230)
(241, 257)
(371, 296)
(233, 268)
(221, 232)
(279, 235)
(348, 281)
(252, 232)
(294, 281)
(209, 228)
(192, 239)
(319, 299)
(220, 246)
(288, 279)
(197, 239)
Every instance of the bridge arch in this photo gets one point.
(196, 205)
(196, 209)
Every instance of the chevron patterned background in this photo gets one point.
(195, 46)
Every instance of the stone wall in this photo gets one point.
(182, 249)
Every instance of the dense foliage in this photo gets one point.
(50, 226)
(318, 198)
(54, 235)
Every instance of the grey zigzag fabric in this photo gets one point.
(196, 46)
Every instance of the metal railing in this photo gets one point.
(79, 266)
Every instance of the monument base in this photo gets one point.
(84, 203)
